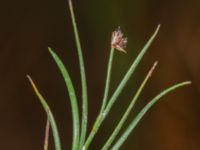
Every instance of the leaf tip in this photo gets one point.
(157, 29)
(32, 83)
(188, 82)
(155, 65)
(152, 68)
(49, 48)
(29, 78)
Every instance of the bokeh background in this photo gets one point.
(28, 27)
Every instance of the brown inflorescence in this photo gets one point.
(118, 41)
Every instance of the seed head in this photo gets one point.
(118, 41)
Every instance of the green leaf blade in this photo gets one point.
(136, 120)
(83, 78)
(73, 99)
(128, 110)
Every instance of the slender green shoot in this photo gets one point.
(49, 114)
(83, 78)
(119, 89)
(130, 72)
(73, 99)
(105, 97)
(136, 120)
(79, 140)
(128, 110)
(46, 137)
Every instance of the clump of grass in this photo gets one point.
(80, 140)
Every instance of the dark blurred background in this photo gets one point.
(28, 27)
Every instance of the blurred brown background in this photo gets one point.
(28, 27)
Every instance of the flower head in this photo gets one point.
(118, 41)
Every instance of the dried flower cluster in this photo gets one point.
(118, 41)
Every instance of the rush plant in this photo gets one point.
(82, 139)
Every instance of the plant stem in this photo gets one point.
(105, 97)
(46, 138)
(128, 110)
(83, 79)
(136, 120)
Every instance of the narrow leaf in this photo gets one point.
(73, 99)
(49, 114)
(128, 110)
(136, 120)
(83, 78)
